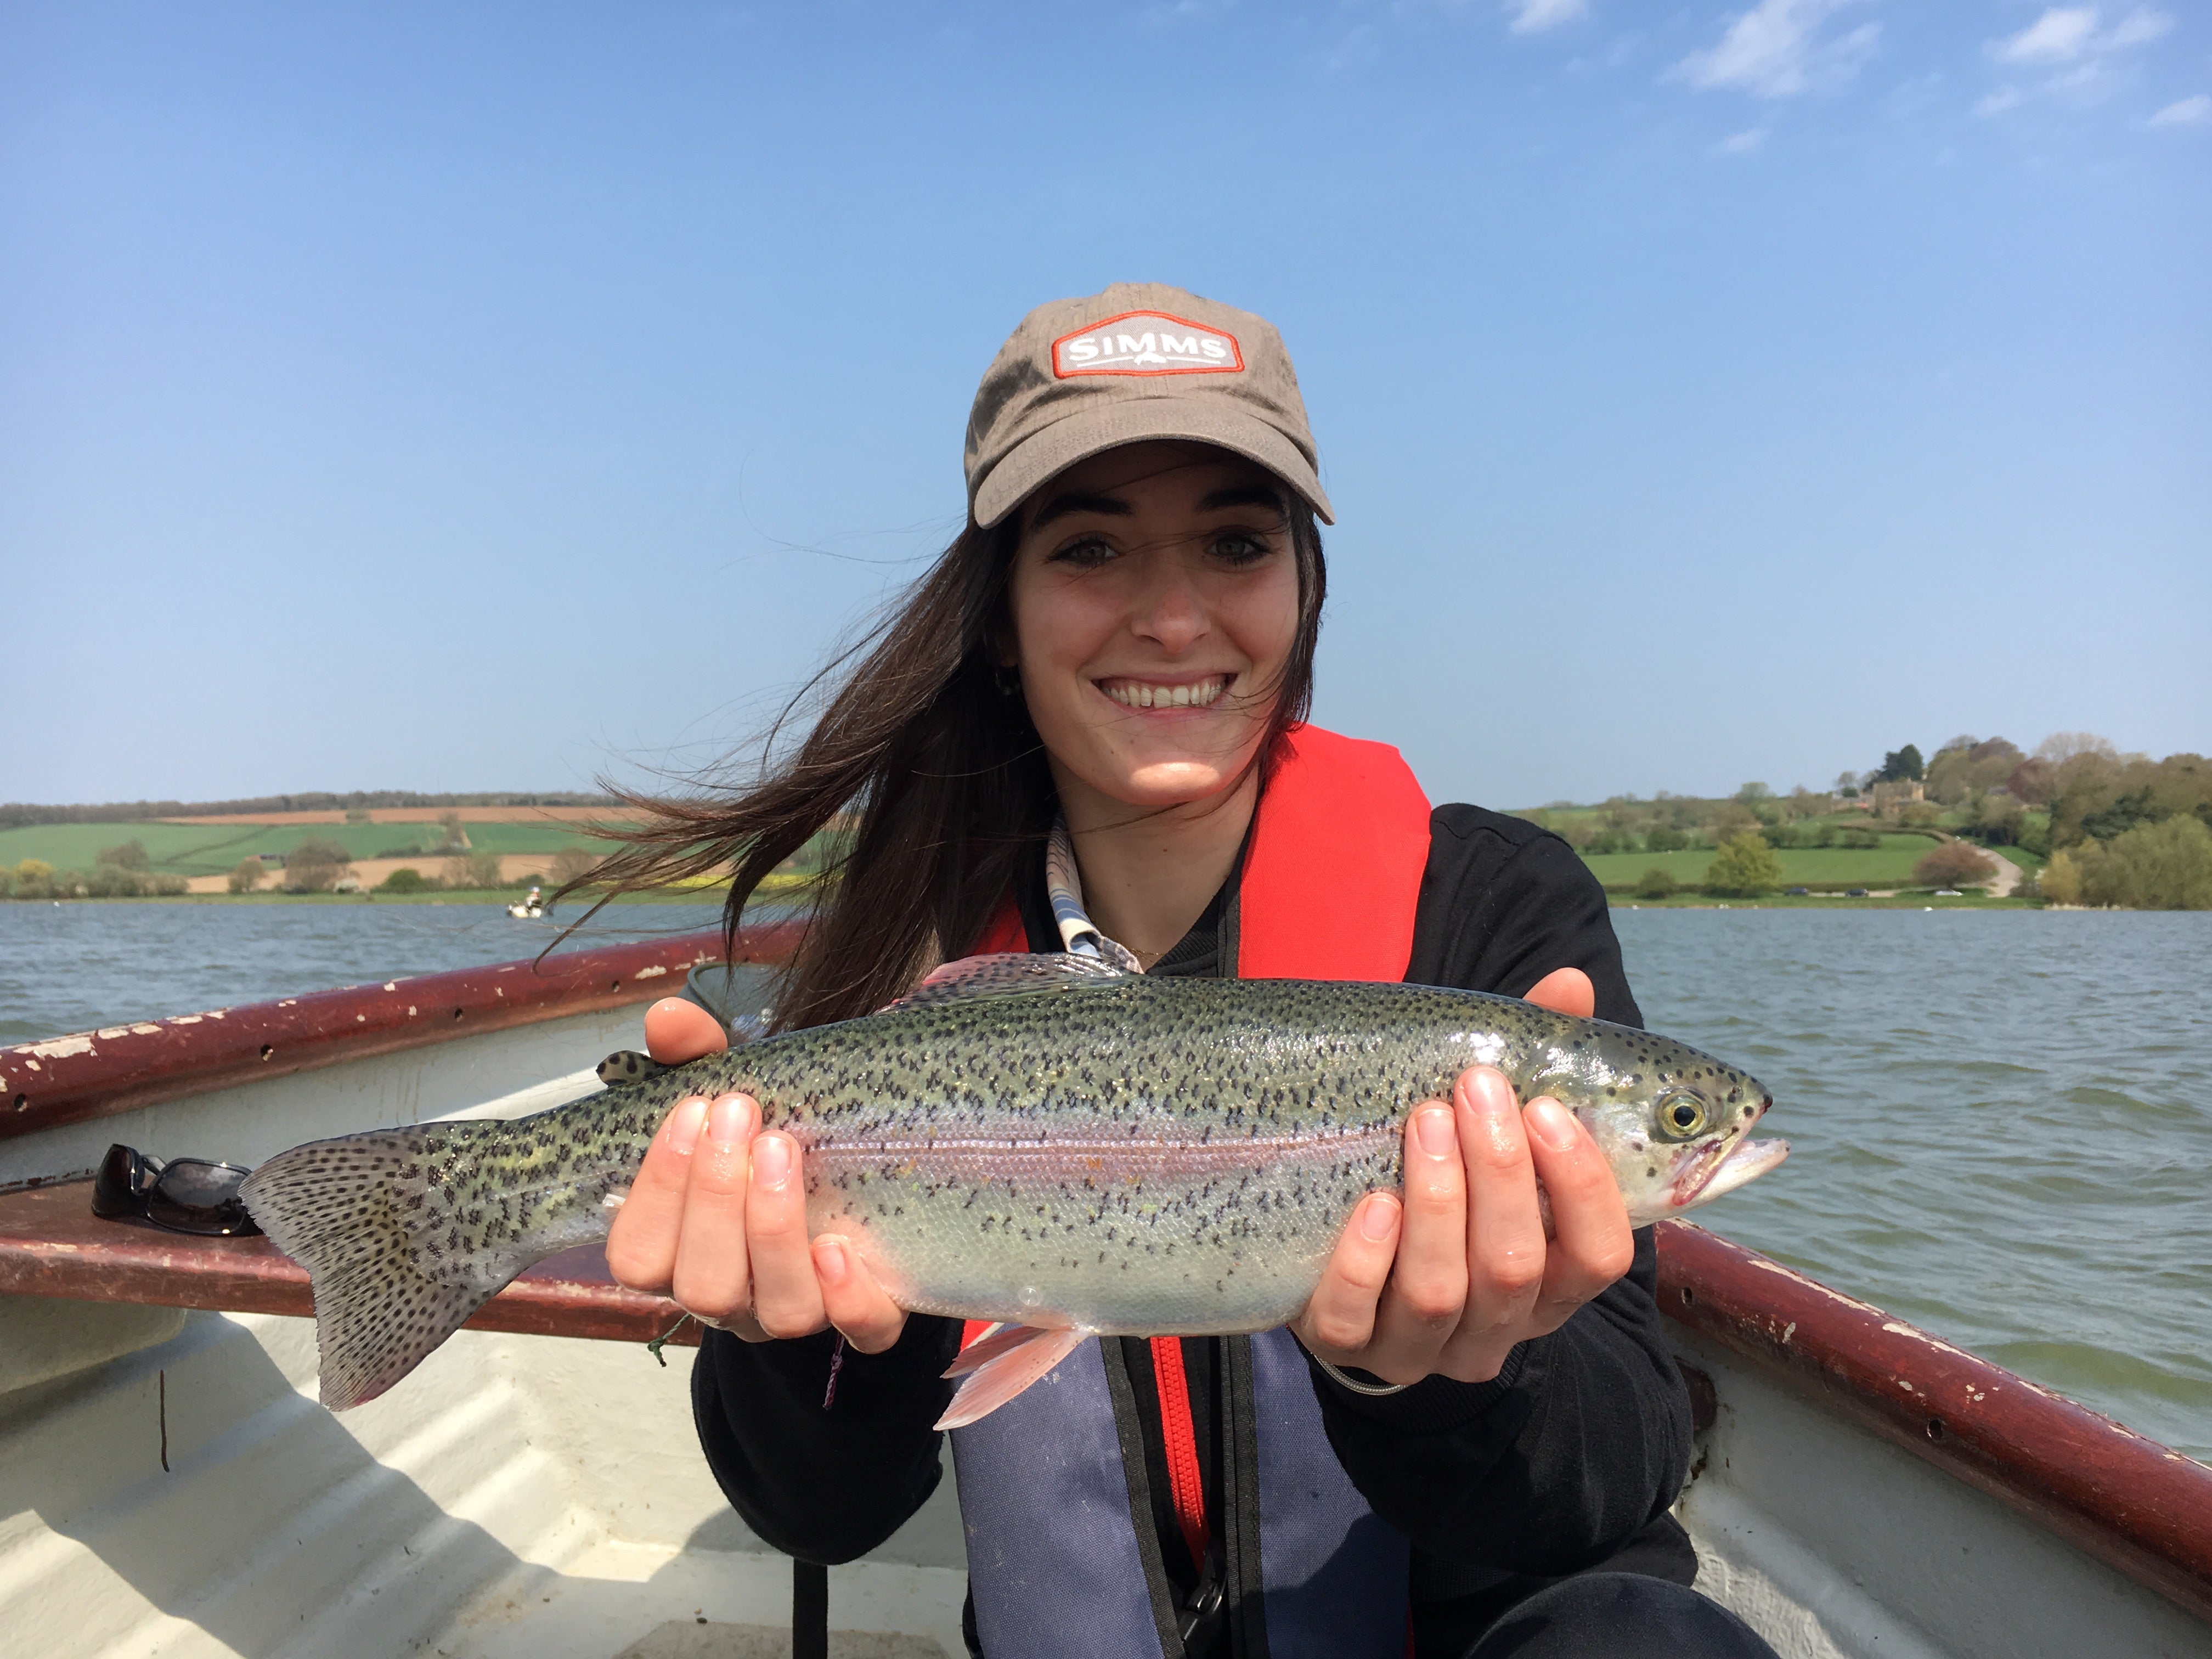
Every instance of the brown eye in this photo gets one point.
(1682, 1113)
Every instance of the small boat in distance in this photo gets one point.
(1861, 1488)
(528, 910)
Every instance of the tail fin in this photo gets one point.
(394, 1275)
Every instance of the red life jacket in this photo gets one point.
(1333, 874)
(1062, 1560)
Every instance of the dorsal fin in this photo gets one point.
(1006, 973)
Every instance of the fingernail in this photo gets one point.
(771, 1162)
(685, 1124)
(1434, 1129)
(1553, 1124)
(1379, 1220)
(1492, 1094)
(726, 1120)
(830, 1262)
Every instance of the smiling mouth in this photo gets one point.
(1147, 694)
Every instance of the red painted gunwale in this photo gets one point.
(2132, 1503)
(121, 1068)
(2141, 1507)
(51, 1245)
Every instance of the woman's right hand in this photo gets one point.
(716, 1218)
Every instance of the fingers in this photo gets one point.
(1422, 1306)
(786, 1296)
(1339, 1320)
(641, 1244)
(1506, 1243)
(1563, 991)
(1594, 1245)
(854, 1302)
(676, 1030)
(711, 1276)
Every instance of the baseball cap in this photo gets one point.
(1139, 361)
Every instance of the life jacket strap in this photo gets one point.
(1186, 1480)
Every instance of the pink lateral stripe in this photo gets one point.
(121, 1067)
(2132, 1503)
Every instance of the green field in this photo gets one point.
(1971, 899)
(1889, 864)
(209, 849)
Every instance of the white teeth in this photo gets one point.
(1135, 695)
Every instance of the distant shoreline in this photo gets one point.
(501, 897)
(472, 898)
(1922, 901)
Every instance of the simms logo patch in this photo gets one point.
(1145, 343)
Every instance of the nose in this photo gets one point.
(1168, 609)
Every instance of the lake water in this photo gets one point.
(2001, 1118)
(2000, 1122)
(75, 967)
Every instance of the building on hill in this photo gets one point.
(1891, 799)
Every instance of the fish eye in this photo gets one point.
(1682, 1113)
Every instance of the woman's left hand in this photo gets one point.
(1446, 1279)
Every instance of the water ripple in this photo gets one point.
(2001, 1127)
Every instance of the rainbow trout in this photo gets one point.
(1045, 1141)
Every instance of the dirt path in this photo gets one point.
(2008, 875)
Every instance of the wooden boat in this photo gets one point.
(172, 1488)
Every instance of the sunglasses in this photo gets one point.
(184, 1195)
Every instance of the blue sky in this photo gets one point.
(472, 397)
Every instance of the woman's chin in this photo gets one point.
(1175, 782)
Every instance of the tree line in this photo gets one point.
(16, 814)
(2118, 829)
(117, 873)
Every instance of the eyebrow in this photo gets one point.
(1247, 495)
(1113, 507)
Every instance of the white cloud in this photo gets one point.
(2059, 36)
(2082, 55)
(2139, 27)
(1742, 144)
(1771, 51)
(2070, 35)
(1534, 17)
(2187, 112)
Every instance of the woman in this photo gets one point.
(1085, 727)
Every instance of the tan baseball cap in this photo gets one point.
(1140, 360)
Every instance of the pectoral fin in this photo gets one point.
(997, 1367)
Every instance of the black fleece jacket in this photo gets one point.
(1566, 1460)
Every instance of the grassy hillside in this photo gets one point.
(1887, 865)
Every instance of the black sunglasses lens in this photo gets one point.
(188, 1196)
(225, 1220)
(188, 1181)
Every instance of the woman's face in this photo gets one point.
(1154, 601)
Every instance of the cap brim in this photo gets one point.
(1088, 432)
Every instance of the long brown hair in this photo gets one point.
(921, 734)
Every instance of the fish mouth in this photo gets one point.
(1744, 1162)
